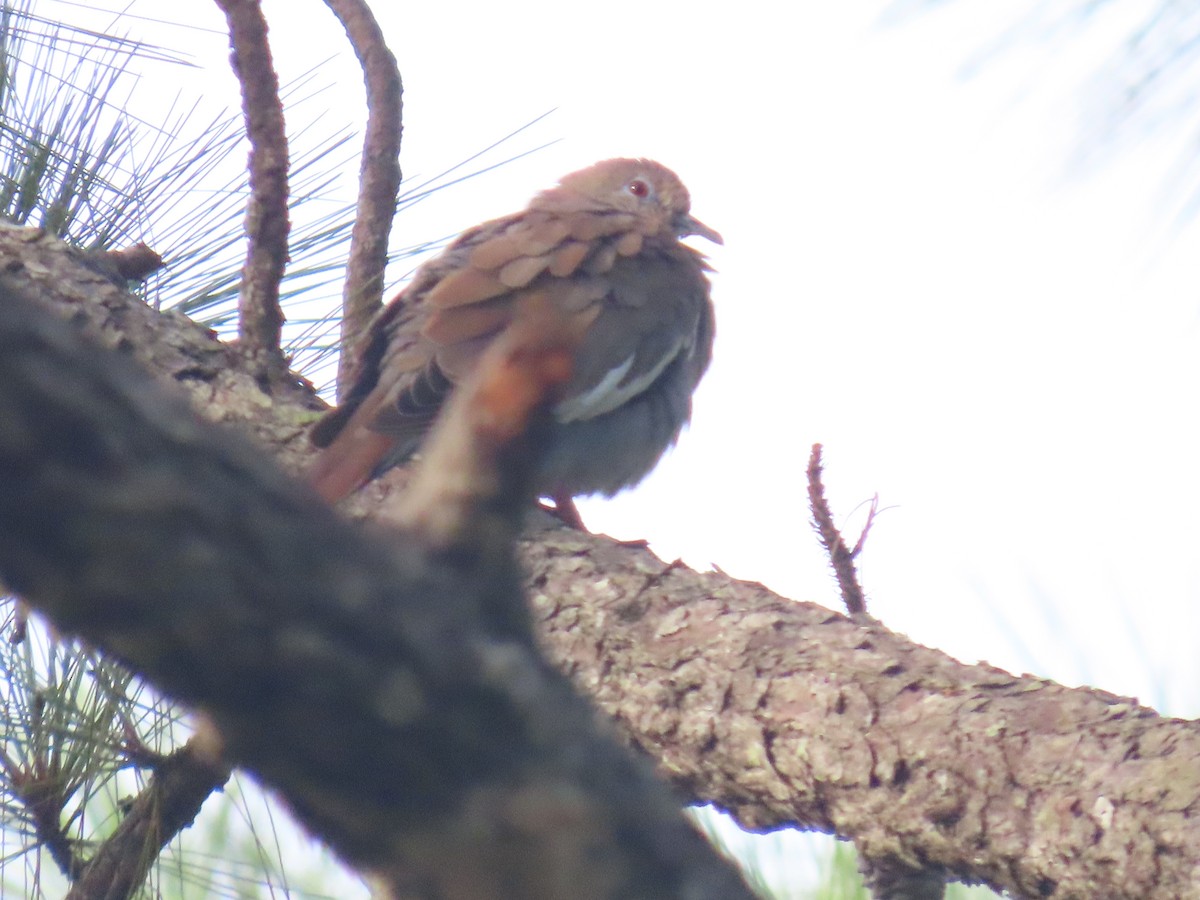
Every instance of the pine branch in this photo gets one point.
(260, 317)
(379, 176)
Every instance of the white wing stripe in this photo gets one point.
(609, 393)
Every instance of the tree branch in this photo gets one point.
(390, 692)
(378, 180)
(170, 802)
(260, 317)
(781, 712)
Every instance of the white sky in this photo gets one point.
(919, 272)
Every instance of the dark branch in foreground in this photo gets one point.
(391, 693)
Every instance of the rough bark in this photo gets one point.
(785, 713)
(389, 690)
(260, 317)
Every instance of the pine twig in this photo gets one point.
(841, 557)
(378, 180)
(260, 324)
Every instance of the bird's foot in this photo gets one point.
(565, 510)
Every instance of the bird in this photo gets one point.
(604, 247)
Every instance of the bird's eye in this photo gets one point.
(638, 188)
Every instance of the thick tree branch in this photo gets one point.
(260, 317)
(378, 178)
(391, 693)
(783, 712)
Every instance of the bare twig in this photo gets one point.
(260, 322)
(841, 557)
(378, 179)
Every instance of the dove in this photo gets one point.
(603, 249)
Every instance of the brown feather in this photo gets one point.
(463, 286)
(524, 238)
(567, 258)
(462, 323)
(588, 226)
(521, 271)
(349, 462)
(629, 244)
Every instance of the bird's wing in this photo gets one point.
(429, 337)
(655, 312)
(485, 280)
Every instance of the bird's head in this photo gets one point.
(641, 186)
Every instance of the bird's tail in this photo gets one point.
(349, 462)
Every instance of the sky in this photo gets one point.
(932, 266)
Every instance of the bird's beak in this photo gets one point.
(685, 225)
